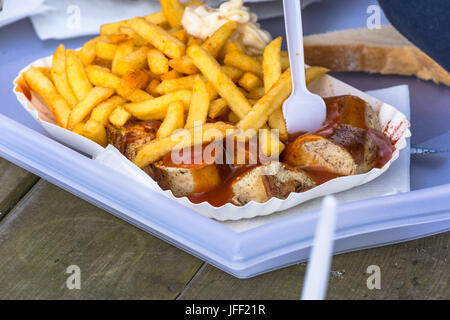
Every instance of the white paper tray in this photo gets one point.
(392, 121)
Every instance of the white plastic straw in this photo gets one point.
(317, 273)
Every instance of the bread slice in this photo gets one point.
(382, 50)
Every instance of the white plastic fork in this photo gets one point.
(303, 110)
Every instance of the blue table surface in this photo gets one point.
(430, 103)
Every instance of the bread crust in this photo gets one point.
(404, 59)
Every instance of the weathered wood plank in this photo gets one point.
(14, 183)
(417, 269)
(51, 229)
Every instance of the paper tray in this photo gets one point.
(392, 121)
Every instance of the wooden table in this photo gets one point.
(44, 229)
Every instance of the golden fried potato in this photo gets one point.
(156, 149)
(226, 88)
(272, 63)
(230, 46)
(77, 76)
(119, 116)
(243, 62)
(157, 62)
(272, 72)
(43, 86)
(113, 27)
(313, 73)
(132, 80)
(159, 38)
(95, 131)
(123, 49)
(180, 34)
(184, 65)
(135, 60)
(105, 50)
(216, 42)
(217, 108)
(137, 39)
(102, 77)
(233, 73)
(198, 110)
(87, 52)
(174, 119)
(151, 88)
(102, 111)
(270, 102)
(173, 11)
(250, 81)
(172, 74)
(82, 109)
(157, 18)
(59, 76)
(156, 109)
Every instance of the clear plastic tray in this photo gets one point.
(285, 241)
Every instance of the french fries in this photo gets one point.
(156, 109)
(42, 85)
(217, 108)
(243, 62)
(270, 102)
(78, 129)
(174, 120)
(151, 88)
(119, 116)
(82, 109)
(135, 60)
(171, 85)
(277, 122)
(272, 71)
(59, 76)
(114, 27)
(133, 80)
(256, 93)
(157, 62)
(172, 74)
(87, 52)
(180, 34)
(157, 18)
(226, 88)
(173, 11)
(269, 144)
(102, 77)
(102, 111)
(233, 73)
(105, 50)
(215, 43)
(77, 76)
(158, 148)
(95, 131)
(159, 38)
(137, 39)
(250, 81)
(313, 73)
(124, 49)
(272, 63)
(183, 65)
(138, 95)
(229, 47)
(198, 110)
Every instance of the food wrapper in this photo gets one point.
(393, 123)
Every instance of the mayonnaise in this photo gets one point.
(202, 21)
